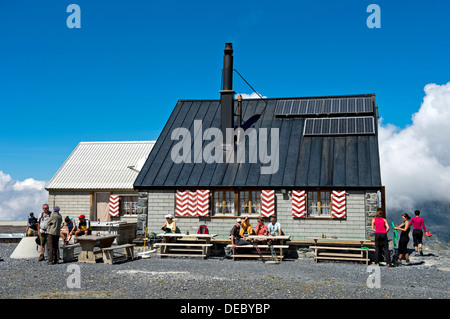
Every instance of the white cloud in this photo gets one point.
(29, 185)
(415, 161)
(19, 198)
(4, 179)
(254, 95)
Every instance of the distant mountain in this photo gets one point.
(437, 220)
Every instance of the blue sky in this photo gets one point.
(121, 74)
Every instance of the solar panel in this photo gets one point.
(339, 126)
(331, 106)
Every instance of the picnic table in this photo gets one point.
(191, 245)
(88, 244)
(280, 246)
(344, 249)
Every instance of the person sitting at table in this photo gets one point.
(274, 228)
(83, 226)
(69, 230)
(261, 230)
(235, 234)
(169, 226)
(246, 228)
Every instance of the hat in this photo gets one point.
(31, 213)
(169, 216)
(56, 209)
(81, 216)
(238, 220)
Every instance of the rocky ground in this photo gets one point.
(218, 278)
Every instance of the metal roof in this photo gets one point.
(350, 161)
(101, 165)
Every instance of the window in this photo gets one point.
(319, 204)
(250, 203)
(129, 205)
(224, 203)
(234, 203)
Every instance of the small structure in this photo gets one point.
(27, 249)
(97, 180)
(311, 161)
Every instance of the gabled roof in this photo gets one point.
(101, 165)
(306, 159)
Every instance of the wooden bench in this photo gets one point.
(110, 258)
(263, 248)
(341, 253)
(183, 249)
(69, 252)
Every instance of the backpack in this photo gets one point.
(202, 229)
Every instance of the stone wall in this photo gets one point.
(71, 203)
(75, 203)
(161, 203)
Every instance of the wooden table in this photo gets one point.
(192, 245)
(344, 241)
(89, 242)
(344, 249)
(280, 246)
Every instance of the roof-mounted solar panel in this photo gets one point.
(331, 106)
(364, 125)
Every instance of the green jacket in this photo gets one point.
(54, 224)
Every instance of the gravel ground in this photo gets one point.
(184, 278)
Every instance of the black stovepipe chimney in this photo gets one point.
(227, 93)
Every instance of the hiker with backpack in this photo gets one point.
(42, 229)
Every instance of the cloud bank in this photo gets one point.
(415, 161)
(19, 198)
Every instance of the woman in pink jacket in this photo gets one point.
(418, 227)
(380, 227)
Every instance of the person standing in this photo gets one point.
(418, 228)
(42, 229)
(53, 232)
(380, 227)
(404, 238)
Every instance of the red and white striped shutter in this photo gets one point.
(181, 203)
(114, 205)
(338, 204)
(202, 202)
(267, 203)
(298, 204)
(192, 203)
